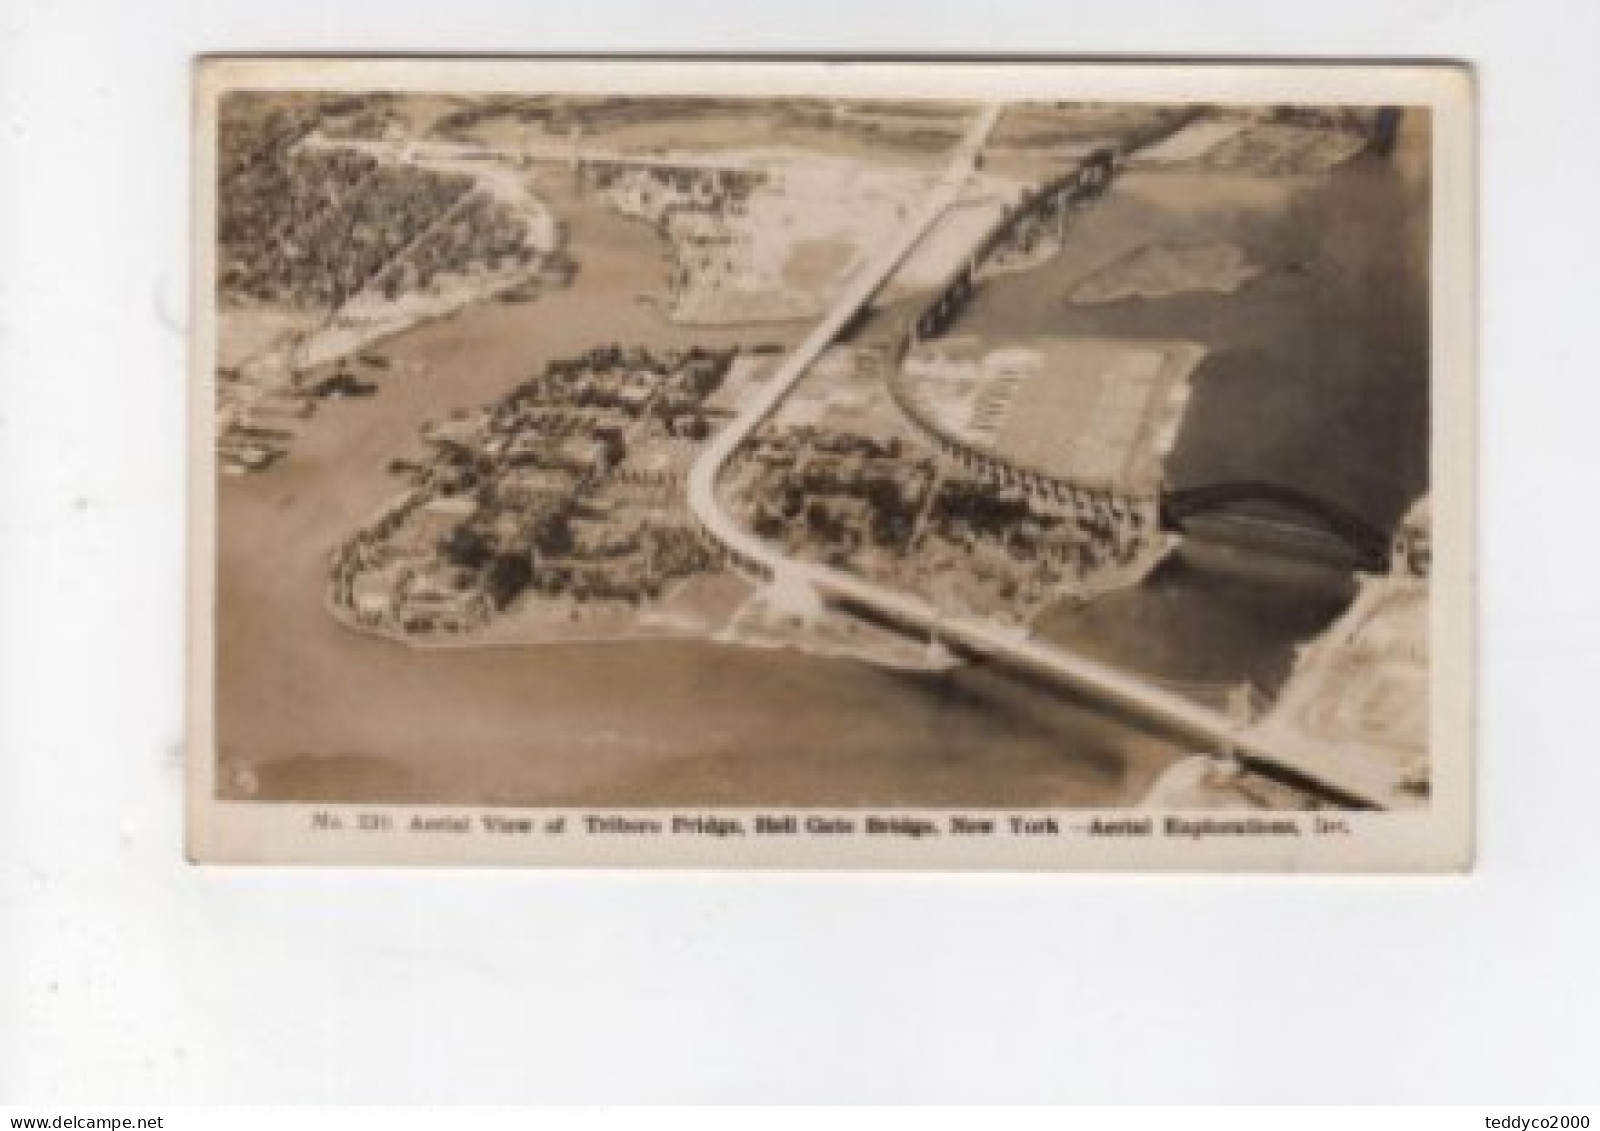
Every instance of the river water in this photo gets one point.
(310, 711)
(1316, 378)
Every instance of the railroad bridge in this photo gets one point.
(1263, 514)
(1051, 202)
(1047, 205)
(1280, 516)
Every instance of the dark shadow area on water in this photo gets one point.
(1211, 615)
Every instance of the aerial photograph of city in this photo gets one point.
(638, 450)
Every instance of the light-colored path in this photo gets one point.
(587, 155)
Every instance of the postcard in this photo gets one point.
(869, 465)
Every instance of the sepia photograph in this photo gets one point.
(586, 556)
(765, 464)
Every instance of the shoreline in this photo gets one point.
(719, 639)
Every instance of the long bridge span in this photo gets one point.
(1282, 513)
(1353, 785)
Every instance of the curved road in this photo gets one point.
(1357, 784)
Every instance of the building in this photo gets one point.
(372, 595)
(436, 518)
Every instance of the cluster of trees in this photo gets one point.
(677, 552)
(310, 227)
(585, 383)
(543, 549)
(635, 570)
(314, 229)
(680, 419)
(980, 506)
(252, 137)
(482, 231)
(892, 489)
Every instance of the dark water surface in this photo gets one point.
(1316, 378)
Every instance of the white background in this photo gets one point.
(126, 975)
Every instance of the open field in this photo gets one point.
(948, 244)
(1090, 410)
(775, 238)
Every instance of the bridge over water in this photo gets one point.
(1279, 516)
(1355, 785)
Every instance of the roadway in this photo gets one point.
(564, 155)
(1357, 783)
